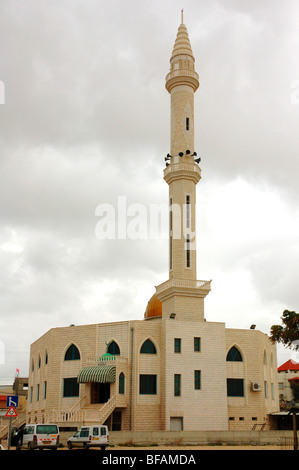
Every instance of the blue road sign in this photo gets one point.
(12, 400)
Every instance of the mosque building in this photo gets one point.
(173, 369)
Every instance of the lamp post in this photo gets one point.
(293, 411)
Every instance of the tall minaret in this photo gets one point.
(182, 293)
(183, 173)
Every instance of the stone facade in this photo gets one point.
(204, 408)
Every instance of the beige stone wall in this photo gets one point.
(92, 341)
(182, 107)
(178, 190)
(185, 307)
(204, 409)
(282, 438)
(259, 365)
(55, 344)
(146, 408)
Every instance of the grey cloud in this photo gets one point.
(86, 119)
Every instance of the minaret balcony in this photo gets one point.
(182, 170)
(193, 288)
(182, 77)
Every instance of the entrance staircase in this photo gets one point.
(18, 422)
(85, 413)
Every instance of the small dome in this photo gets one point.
(154, 308)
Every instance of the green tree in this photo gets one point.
(295, 391)
(288, 332)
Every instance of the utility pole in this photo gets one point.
(9, 434)
(294, 411)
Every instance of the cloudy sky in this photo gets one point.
(85, 121)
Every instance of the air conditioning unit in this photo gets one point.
(256, 387)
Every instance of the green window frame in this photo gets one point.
(148, 347)
(234, 355)
(45, 390)
(72, 353)
(113, 349)
(70, 387)
(197, 344)
(121, 383)
(177, 385)
(235, 387)
(177, 345)
(197, 380)
(147, 384)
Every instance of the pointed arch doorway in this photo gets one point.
(99, 392)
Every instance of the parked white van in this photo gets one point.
(40, 436)
(90, 436)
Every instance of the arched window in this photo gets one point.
(72, 353)
(148, 347)
(234, 355)
(113, 348)
(121, 383)
(46, 357)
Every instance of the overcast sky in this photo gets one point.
(85, 120)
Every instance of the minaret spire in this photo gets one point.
(182, 16)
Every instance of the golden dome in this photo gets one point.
(154, 308)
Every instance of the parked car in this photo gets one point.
(90, 436)
(39, 436)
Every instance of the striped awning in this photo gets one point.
(102, 374)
